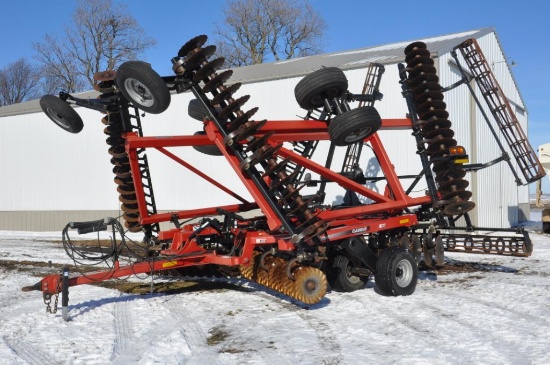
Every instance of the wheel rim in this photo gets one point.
(58, 118)
(139, 92)
(358, 134)
(404, 273)
(352, 278)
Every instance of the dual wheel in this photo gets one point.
(137, 82)
(323, 87)
(396, 273)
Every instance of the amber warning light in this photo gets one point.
(458, 154)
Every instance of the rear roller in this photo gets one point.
(306, 284)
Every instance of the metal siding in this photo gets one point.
(495, 191)
(55, 176)
(49, 220)
(497, 194)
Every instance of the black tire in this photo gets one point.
(341, 279)
(381, 280)
(143, 87)
(328, 82)
(354, 125)
(61, 113)
(195, 109)
(211, 149)
(396, 272)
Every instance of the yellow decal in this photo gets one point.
(169, 264)
(403, 221)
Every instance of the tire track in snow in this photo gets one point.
(493, 341)
(405, 326)
(492, 305)
(124, 332)
(130, 349)
(328, 342)
(193, 333)
(29, 353)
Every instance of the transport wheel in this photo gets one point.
(354, 125)
(61, 113)
(325, 83)
(342, 279)
(141, 85)
(396, 272)
(196, 110)
(211, 150)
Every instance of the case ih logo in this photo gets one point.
(360, 230)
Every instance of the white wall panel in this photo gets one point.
(46, 169)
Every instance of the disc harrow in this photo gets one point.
(435, 127)
(257, 152)
(291, 240)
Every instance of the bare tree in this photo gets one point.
(19, 81)
(101, 37)
(255, 31)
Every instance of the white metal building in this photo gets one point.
(51, 177)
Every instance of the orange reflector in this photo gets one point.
(457, 150)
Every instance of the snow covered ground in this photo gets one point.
(497, 314)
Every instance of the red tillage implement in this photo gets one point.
(293, 243)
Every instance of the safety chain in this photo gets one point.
(48, 299)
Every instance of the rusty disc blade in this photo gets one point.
(225, 94)
(208, 69)
(441, 144)
(457, 196)
(193, 43)
(108, 75)
(434, 114)
(453, 185)
(452, 172)
(217, 81)
(434, 124)
(233, 106)
(419, 52)
(431, 106)
(426, 87)
(428, 96)
(422, 78)
(415, 46)
(439, 133)
(242, 119)
(195, 60)
(421, 69)
(459, 208)
(420, 61)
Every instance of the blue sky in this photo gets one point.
(523, 29)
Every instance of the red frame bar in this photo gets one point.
(283, 131)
